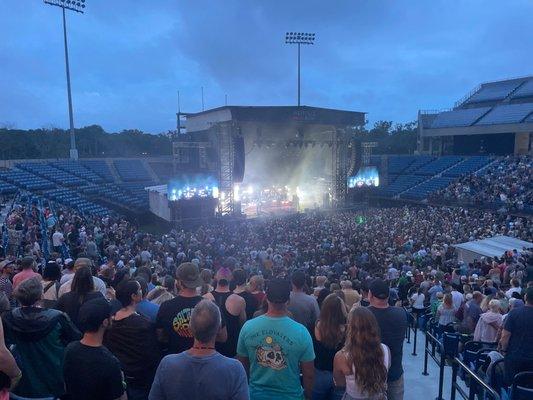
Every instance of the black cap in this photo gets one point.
(278, 290)
(93, 313)
(379, 288)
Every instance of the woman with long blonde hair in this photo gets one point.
(362, 364)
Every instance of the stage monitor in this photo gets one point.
(366, 177)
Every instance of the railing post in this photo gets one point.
(408, 334)
(454, 379)
(415, 337)
(442, 364)
(426, 352)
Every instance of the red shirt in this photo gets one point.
(23, 275)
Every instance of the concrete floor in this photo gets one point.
(418, 386)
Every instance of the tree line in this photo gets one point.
(93, 142)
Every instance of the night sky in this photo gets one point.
(129, 58)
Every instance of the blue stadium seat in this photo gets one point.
(131, 170)
(426, 188)
(469, 166)
(459, 117)
(494, 91)
(99, 167)
(507, 114)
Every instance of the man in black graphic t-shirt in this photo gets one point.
(174, 316)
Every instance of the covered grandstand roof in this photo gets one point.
(493, 107)
(492, 247)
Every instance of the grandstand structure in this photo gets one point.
(90, 186)
(416, 177)
(496, 118)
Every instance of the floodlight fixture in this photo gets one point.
(79, 7)
(299, 38)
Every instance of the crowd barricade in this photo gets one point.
(522, 387)
(476, 387)
(412, 327)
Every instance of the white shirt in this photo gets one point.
(57, 239)
(457, 299)
(510, 292)
(99, 285)
(418, 300)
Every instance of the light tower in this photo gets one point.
(299, 38)
(79, 7)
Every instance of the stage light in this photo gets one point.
(215, 192)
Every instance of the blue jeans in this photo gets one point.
(324, 388)
(137, 393)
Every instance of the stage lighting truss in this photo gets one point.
(78, 6)
(299, 38)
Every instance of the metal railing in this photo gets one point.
(476, 387)
(430, 349)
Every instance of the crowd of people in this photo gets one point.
(303, 306)
(508, 182)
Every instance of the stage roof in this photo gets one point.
(492, 247)
(274, 115)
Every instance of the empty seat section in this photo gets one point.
(131, 170)
(100, 168)
(438, 165)
(402, 183)
(397, 164)
(419, 162)
(494, 91)
(165, 170)
(426, 188)
(507, 114)
(468, 166)
(459, 117)
(526, 90)
(72, 199)
(26, 180)
(78, 169)
(53, 174)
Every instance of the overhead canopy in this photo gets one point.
(492, 247)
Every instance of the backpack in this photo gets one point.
(45, 303)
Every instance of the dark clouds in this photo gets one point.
(129, 58)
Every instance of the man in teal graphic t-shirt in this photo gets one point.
(274, 349)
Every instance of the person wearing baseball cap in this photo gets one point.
(392, 323)
(174, 316)
(6, 269)
(90, 370)
(274, 349)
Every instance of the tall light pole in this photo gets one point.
(299, 38)
(77, 6)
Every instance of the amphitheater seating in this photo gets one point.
(53, 174)
(26, 180)
(507, 114)
(438, 165)
(397, 164)
(78, 169)
(468, 166)
(418, 162)
(100, 168)
(424, 189)
(7, 188)
(74, 200)
(131, 170)
(526, 90)
(165, 170)
(400, 184)
(459, 117)
(494, 91)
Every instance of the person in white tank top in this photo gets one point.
(361, 366)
